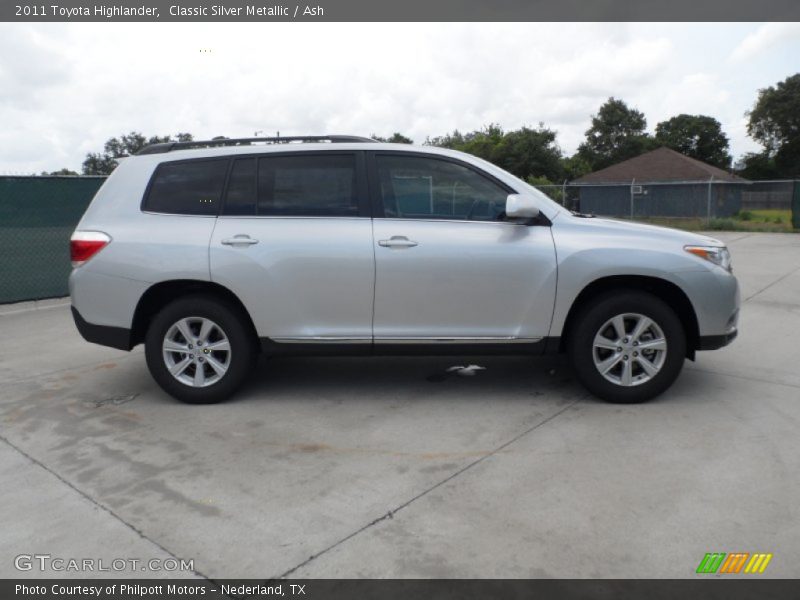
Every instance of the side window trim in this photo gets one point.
(232, 163)
(376, 198)
(362, 185)
(224, 198)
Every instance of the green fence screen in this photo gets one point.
(37, 217)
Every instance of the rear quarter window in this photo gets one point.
(187, 187)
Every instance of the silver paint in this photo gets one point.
(325, 279)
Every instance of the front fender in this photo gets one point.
(580, 268)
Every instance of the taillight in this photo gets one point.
(83, 245)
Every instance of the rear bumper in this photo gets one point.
(714, 342)
(105, 335)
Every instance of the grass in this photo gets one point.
(772, 216)
(769, 220)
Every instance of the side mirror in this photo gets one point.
(519, 206)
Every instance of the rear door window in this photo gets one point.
(187, 187)
(322, 185)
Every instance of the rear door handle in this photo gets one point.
(397, 241)
(240, 239)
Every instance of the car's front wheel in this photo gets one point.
(199, 349)
(627, 346)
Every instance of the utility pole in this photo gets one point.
(708, 201)
(632, 182)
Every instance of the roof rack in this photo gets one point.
(170, 146)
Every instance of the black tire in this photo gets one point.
(589, 321)
(237, 329)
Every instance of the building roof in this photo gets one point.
(662, 164)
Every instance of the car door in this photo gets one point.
(448, 267)
(294, 243)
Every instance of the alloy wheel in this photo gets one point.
(629, 349)
(196, 351)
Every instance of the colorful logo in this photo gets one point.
(734, 563)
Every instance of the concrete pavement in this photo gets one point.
(336, 467)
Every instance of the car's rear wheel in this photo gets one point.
(627, 346)
(200, 349)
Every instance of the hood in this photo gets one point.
(614, 227)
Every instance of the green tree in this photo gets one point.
(774, 122)
(617, 133)
(575, 166)
(525, 152)
(529, 152)
(698, 136)
(483, 143)
(480, 143)
(757, 165)
(450, 140)
(395, 138)
(65, 172)
(103, 163)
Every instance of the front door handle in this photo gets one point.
(397, 241)
(240, 239)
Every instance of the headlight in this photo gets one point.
(718, 255)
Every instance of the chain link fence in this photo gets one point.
(684, 199)
(37, 217)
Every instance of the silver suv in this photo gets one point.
(213, 252)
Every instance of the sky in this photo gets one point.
(65, 88)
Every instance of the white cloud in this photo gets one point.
(66, 88)
(32, 63)
(767, 36)
(695, 93)
(607, 70)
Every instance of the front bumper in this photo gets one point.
(714, 342)
(714, 295)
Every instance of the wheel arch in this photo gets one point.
(160, 294)
(668, 291)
